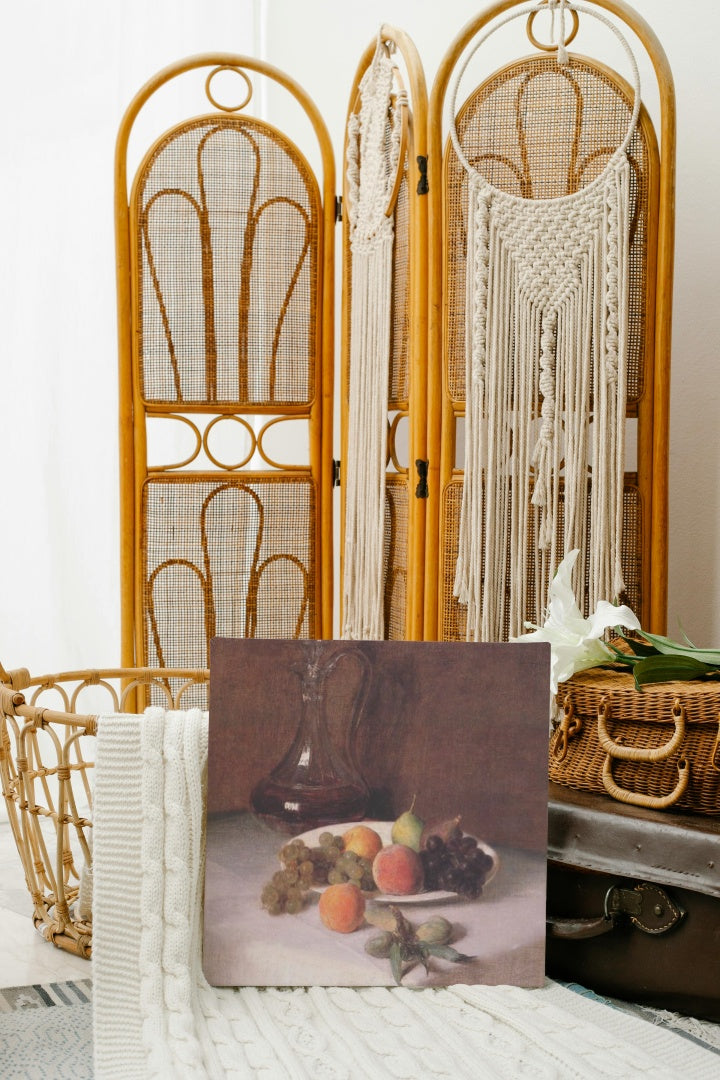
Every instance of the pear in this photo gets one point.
(408, 829)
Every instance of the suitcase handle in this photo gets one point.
(635, 753)
(647, 905)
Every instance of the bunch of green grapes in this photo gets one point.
(302, 867)
(287, 890)
(346, 865)
(284, 893)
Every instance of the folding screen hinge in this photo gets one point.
(338, 208)
(336, 474)
(421, 490)
(422, 187)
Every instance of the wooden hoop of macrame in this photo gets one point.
(546, 325)
(374, 162)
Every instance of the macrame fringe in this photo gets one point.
(546, 352)
(547, 303)
(372, 162)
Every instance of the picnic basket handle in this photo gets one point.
(652, 802)
(615, 751)
(634, 753)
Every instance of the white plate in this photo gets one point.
(383, 828)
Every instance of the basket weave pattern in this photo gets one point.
(46, 762)
(658, 747)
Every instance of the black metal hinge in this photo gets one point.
(336, 474)
(338, 208)
(421, 490)
(422, 187)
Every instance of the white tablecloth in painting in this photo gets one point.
(503, 930)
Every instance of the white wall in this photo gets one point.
(68, 70)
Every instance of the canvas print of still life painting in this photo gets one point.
(377, 813)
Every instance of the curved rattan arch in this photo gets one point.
(404, 547)
(653, 408)
(318, 262)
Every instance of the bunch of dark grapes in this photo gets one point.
(456, 865)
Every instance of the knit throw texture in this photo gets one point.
(155, 1015)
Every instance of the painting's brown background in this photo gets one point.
(462, 726)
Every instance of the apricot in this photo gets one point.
(398, 869)
(363, 840)
(342, 907)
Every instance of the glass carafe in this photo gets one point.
(317, 782)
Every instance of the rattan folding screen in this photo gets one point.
(225, 285)
(226, 302)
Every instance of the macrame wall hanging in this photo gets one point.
(546, 340)
(375, 157)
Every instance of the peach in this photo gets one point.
(398, 869)
(363, 840)
(342, 907)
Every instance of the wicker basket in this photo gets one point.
(658, 747)
(46, 754)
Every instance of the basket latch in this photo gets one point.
(567, 729)
(715, 752)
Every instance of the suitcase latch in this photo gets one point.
(646, 905)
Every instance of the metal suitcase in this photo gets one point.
(634, 902)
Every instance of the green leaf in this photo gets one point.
(620, 656)
(446, 952)
(396, 961)
(672, 648)
(640, 648)
(667, 668)
(423, 953)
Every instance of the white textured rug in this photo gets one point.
(154, 1014)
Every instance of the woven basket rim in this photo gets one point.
(653, 704)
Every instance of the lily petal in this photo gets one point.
(574, 640)
(607, 615)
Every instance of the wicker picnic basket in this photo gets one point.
(46, 758)
(658, 747)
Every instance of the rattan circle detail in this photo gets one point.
(238, 71)
(553, 46)
(215, 460)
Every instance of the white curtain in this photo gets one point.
(68, 71)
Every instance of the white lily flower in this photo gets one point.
(575, 642)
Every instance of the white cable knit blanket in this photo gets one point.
(156, 1016)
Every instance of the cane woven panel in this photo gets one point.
(234, 556)
(225, 219)
(227, 248)
(539, 130)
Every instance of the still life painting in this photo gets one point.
(377, 813)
